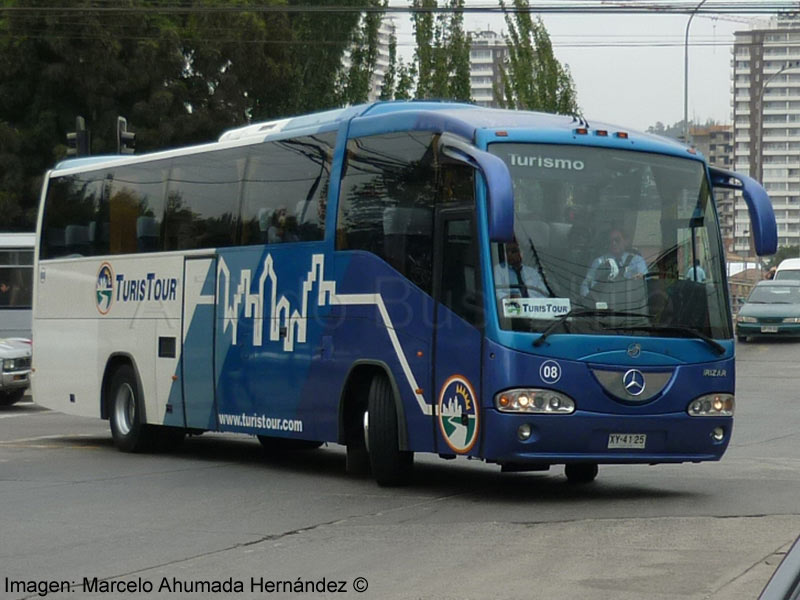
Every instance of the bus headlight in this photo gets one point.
(712, 405)
(534, 400)
(743, 319)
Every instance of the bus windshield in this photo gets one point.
(627, 242)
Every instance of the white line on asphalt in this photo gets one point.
(25, 414)
(47, 437)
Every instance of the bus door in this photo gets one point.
(458, 333)
(197, 355)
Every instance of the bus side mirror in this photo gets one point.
(499, 190)
(762, 217)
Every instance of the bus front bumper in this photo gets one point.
(602, 438)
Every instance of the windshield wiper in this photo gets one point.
(686, 331)
(584, 313)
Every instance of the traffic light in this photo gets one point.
(78, 140)
(126, 140)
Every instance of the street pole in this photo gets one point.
(686, 74)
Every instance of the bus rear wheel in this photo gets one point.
(128, 430)
(390, 465)
(580, 472)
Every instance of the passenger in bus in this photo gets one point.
(12, 289)
(513, 278)
(5, 294)
(618, 263)
(283, 227)
(696, 272)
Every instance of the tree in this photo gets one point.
(423, 55)
(405, 81)
(178, 77)
(355, 84)
(318, 42)
(532, 78)
(783, 253)
(442, 54)
(55, 66)
(458, 48)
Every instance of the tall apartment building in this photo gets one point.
(766, 82)
(487, 52)
(387, 29)
(716, 144)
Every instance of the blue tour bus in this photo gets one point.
(398, 278)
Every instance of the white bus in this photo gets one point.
(16, 284)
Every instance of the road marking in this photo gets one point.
(47, 437)
(25, 414)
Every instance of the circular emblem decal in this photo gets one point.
(634, 350)
(458, 414)
(550, 371)
(633, 381)
(105, 288)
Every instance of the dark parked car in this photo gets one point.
(771, 309)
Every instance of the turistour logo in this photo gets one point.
(458, 414)
(105, 288)
(117, 287)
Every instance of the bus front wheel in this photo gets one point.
(390, 465)
(128, 430)
(580, 472)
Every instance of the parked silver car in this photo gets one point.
(15, 358)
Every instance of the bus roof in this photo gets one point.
(463, 119)
(17, 240)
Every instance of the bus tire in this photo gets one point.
(390, 465)
(125, 413)
(9, 398)
(580, 472)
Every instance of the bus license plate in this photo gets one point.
(634, 441)
(769, 329)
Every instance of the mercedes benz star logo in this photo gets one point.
(634, 383)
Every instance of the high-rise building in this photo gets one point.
(487, 52)
(716, 144)
(766, 117)
(387, 29)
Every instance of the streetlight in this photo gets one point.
(686, 74)
(760, 166)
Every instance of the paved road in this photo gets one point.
(220, 513)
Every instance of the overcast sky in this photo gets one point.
(629, 69)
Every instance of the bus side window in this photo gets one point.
(147, 235)
(76, 238)
(388, 193)
(203, 199)
(72, 202)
